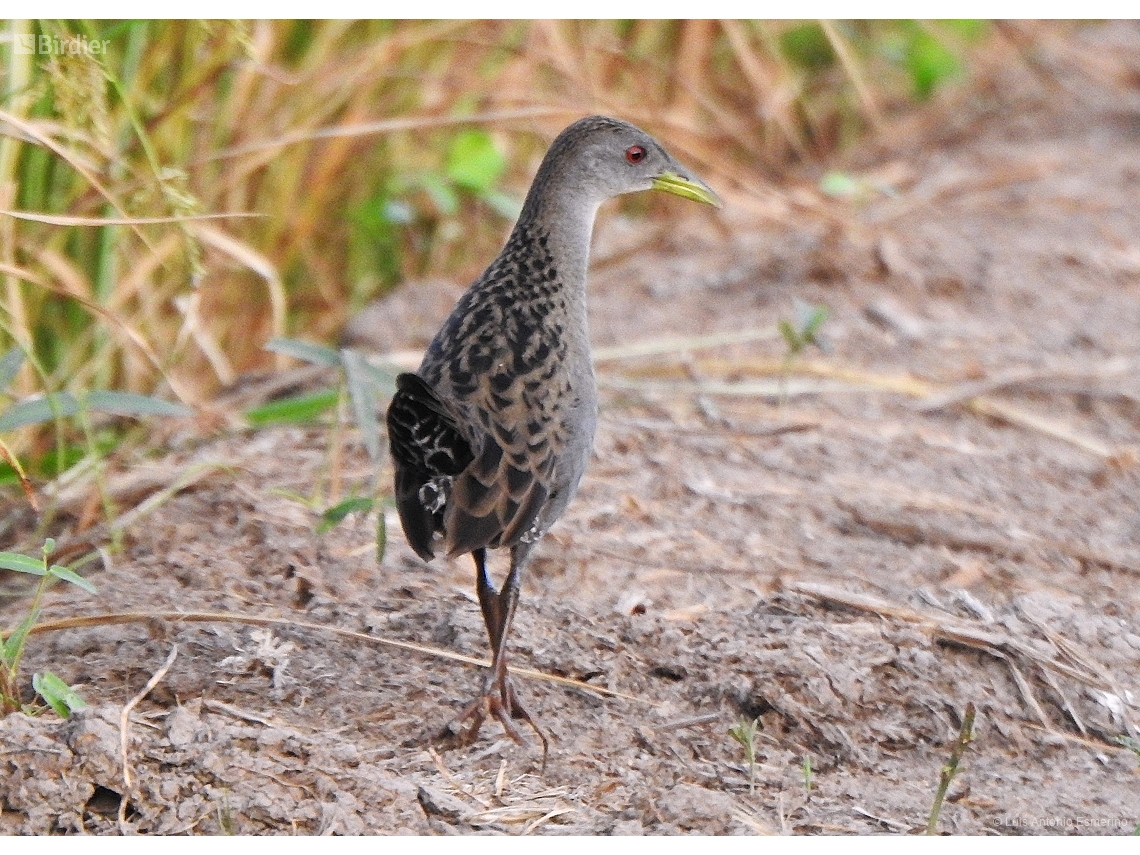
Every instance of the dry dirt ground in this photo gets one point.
(945, 510)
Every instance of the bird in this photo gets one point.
(491, 435)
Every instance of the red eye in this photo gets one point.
(635, 154)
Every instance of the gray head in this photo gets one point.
(597, 158)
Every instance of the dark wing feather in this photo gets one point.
(496, 500)
(426, 444)
(498, 488)
(500, 495)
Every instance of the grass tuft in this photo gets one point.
(169, 205)
(56, 693)
(950, 768)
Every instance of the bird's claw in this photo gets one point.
(502, 704)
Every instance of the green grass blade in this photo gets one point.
(381, 537)
(58, 695)
(362, 395)
(72, 577)
(38, 410)
(791, 336)
(441, 192)
(382, 375)
(302, 408)
(132, 404)
(334, 515)
(507, 207)
(9, 366)
(306, 351)
(21, 563)
(14, 644)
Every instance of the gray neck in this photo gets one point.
(566, 214)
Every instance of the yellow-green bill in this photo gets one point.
(686, 188)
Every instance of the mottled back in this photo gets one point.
(492, 434)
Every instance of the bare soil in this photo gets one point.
(945, 510)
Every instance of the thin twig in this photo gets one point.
(839, 45)
(891, 824)
(1050, 427)
(918, 531)
(727, 430)
(244, 715)
(954, 631)
(115, 618)
(1026, 690)
(545, 818)
(387, 126)
(692, 721)
(1066, 703)
(447, 776)
(124, 733)
(1021, 376)
(679, 344)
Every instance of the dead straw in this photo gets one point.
(117, 618)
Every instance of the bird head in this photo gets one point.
(602, 157)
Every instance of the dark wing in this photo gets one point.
(425, 444)
(496, 500)
(497, 489)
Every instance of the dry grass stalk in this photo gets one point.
(113, 619)
(969, 634)
(308, 124)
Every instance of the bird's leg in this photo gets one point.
(490, 600)
(498, 697)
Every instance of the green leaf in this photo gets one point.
(72, 577)
(131, 404)
(807, 45)
(930, 64)
(795, 344)
(398, 212)
(815, 322)
(302, 408)
(336, 514)
(473, 162)
(744, 732)
(840, 185)
(9, 365)
(38, 410)
(507, 207)
(59, 696)
(440, 193)
(809, 318)
(21, 563)
(383, 375)
(971, 29)
(306, 351)
(363, 399)
(10, 649)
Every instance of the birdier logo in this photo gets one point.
(58, 46)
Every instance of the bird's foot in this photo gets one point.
(498, 701)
